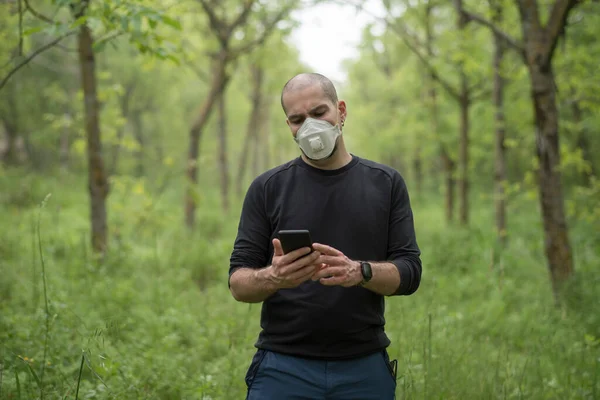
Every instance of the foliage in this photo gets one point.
(155, 320)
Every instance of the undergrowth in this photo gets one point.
(154, 318)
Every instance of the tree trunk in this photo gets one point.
(463, 153)
(583, 141)
(261, 149)
(218, 84)
(557, 246)
(65, 142)
(10, 156)
(11, 153)
(98, 184)
(116, 147)
(500, 149)
(463, 158)
(418, 167)
(539, 44)
(223, 163)
(446, 161)
(449, 166)
(266, 135)
(253, 124)
(138, 131)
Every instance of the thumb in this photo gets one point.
(277, 250)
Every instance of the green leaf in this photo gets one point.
(37, 379)
(33, 30)
(172, 22)
(79, 21)
(18, 384)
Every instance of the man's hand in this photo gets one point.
(337, 269)
(292, 269)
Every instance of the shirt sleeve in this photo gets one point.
(403, 250)
(252, 243)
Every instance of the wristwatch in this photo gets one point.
(367, 272)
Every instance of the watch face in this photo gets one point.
(366, 271)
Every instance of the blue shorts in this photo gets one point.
(278, 376)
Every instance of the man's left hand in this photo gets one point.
(337, 269)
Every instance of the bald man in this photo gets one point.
(322, 318)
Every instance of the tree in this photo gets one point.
(129, 19)
(225, 29)
(500, 132)
(465, 93)
(537, 49)
(97, 179)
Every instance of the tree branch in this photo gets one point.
(242, 17)
(268, 28)
(36, 14)
(32, 56)
(216, 24)
(404, 34)
(20, 51)
(413, 48)
(506, 38)
(556, 24)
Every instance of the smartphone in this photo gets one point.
(295, 239)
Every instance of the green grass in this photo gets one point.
(154, 320)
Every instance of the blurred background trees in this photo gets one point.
(468, 99)
(147, 120)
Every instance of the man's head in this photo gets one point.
(311, 95)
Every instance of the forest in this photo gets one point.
(130, 131)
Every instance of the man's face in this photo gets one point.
(311, 102)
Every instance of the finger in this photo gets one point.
(327, 250)
(295, 255)
(328, 271)
(332, 260)
(333, 281)
(300, 262)
(277, 250)
(302, 274)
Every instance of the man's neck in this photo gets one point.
(337, 161)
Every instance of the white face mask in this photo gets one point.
(317, 138)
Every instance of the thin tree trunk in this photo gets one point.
(253, 124)
(463, 153)
(447, 162)
(583, 141)
(98, 184)
(138, 131)
(449, 167)
(11, 154)
(255, 155)
(463, 157)
(218, 84)
(500, 149)
(223, 164)
(265, 134)
(116, 147)
(65, 137)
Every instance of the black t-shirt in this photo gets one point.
(361, 209)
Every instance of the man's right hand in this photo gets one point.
(292, 269)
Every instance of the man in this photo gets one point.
(323, 311)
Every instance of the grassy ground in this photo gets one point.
(155, 320)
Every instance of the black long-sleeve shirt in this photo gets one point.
(361, 209)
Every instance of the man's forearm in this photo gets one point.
(251, 285)
(386, 278)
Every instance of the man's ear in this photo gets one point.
(342, 109)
